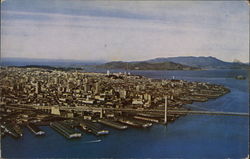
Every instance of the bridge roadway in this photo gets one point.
(169, 111)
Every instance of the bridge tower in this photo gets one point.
(166, 110)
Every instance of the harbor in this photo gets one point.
(76, 127)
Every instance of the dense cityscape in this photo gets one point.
(67, 100)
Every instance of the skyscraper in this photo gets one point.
(97, 85)
(38, 88)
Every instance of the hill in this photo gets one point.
(50, 67)
(201, 62)
(145, 66)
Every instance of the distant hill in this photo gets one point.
(201, 62)
(169, 63)
(50, 67)
(145, 66)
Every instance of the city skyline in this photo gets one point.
(127, 31)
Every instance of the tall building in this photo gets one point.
(123, 93)
(137, 88)
(38, 88)
(97, 86)
(86, 87)
(56, 80)
(68, 87)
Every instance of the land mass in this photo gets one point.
(202, 62)
(51, 67)
(162, 63)
(175, 63)
(146, 66)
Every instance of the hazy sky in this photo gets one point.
(124, 30)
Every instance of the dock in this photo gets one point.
(66, 131)
(144, 124)
(92, 128)
(18, 129)
(147, 119)
(151, 115)
(35, 129)
(134, 122)
(12, 130)
(113, 124)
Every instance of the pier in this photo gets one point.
(11, 130)
(135, 123)
(129, 122)
(35, 129)
(65, 130)
(147, 119)
(113, 124)
(91, 127)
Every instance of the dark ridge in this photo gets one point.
(50, 67)
(146, 66)
(201, 62)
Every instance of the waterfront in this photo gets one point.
(192, 136)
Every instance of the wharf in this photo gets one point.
(91, 127)
(151, 115)
(65, 130)
(143, 124)
(35, 129)
(134, 122)
(147, 119)
(113, 124)
(18, 130)
(9, 129)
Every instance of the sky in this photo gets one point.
(124, 30)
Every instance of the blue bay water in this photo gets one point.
(191, 136)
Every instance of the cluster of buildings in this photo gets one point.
(61, 91)
(41, 87)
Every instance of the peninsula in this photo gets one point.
(65, 100)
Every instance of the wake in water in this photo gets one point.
(93, 141)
